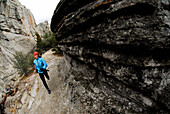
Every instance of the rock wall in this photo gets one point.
(118, 54)
(17, 33)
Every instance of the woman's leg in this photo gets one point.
(43, 80)
(46, 74)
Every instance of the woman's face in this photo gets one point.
(36, 56)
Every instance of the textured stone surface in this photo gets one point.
(16, 18)
(17, 34)
(118, 54)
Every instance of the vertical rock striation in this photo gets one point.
(16, 18)
(117, 51)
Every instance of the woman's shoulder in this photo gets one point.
(41, 58)
(34, 60)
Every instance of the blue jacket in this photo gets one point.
(40, 63)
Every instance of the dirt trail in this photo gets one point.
(49, 56)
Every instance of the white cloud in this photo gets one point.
(41, 9)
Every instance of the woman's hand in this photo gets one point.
(42, 69)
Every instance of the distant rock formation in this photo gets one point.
(17, 34)
(117, 52)
(43, 28)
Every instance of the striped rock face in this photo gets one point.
(118, 54)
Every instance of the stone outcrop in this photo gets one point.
(17, 34)
(43, 28)
(117, 51)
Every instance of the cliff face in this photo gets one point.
(117, 51)
(17, 32)
(16, 18)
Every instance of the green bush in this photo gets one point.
(30, 59)
(23, 63)
(47, 42)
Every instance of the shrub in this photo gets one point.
(23, 63)
(47, 42)
(30, 59)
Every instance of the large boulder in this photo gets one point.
(117, 51)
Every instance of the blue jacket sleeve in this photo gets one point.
(45, 64)
(35, 64)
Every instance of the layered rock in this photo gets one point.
(17, 34)
(117, 51)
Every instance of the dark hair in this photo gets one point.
(40, 55)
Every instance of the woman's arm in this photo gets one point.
(35, 65)
(45, 64)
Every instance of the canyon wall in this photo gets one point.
(117, 53)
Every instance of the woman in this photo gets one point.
(40, 66)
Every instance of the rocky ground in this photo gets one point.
(32, 97)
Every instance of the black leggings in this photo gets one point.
(43, 79)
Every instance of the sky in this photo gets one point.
(41, 9)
